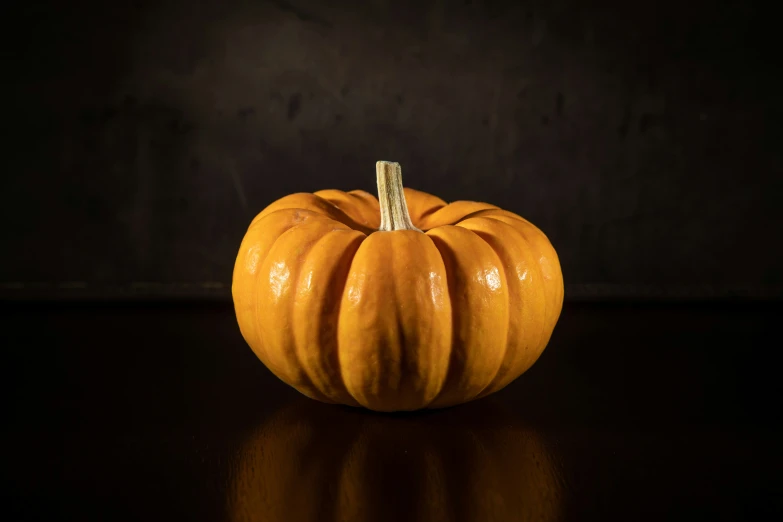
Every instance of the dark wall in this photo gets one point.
(642, 137)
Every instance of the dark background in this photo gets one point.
(642, 137)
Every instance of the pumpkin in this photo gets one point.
(311, 462)
(403, 302)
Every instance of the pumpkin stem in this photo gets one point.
(394, 209)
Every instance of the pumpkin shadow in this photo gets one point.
(315, 462)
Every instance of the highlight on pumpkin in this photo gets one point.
(439, 466)
(396, 303)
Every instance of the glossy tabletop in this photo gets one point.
(161, 412)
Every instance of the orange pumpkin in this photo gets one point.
(397, 303)
(316, 463)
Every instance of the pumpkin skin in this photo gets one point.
(395, 320)
(312, 462)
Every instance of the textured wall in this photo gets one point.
(643, 138)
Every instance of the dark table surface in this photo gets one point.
(161, 412)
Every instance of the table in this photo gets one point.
(159, 411)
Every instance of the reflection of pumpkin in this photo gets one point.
(319, 463)
(442, 305)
